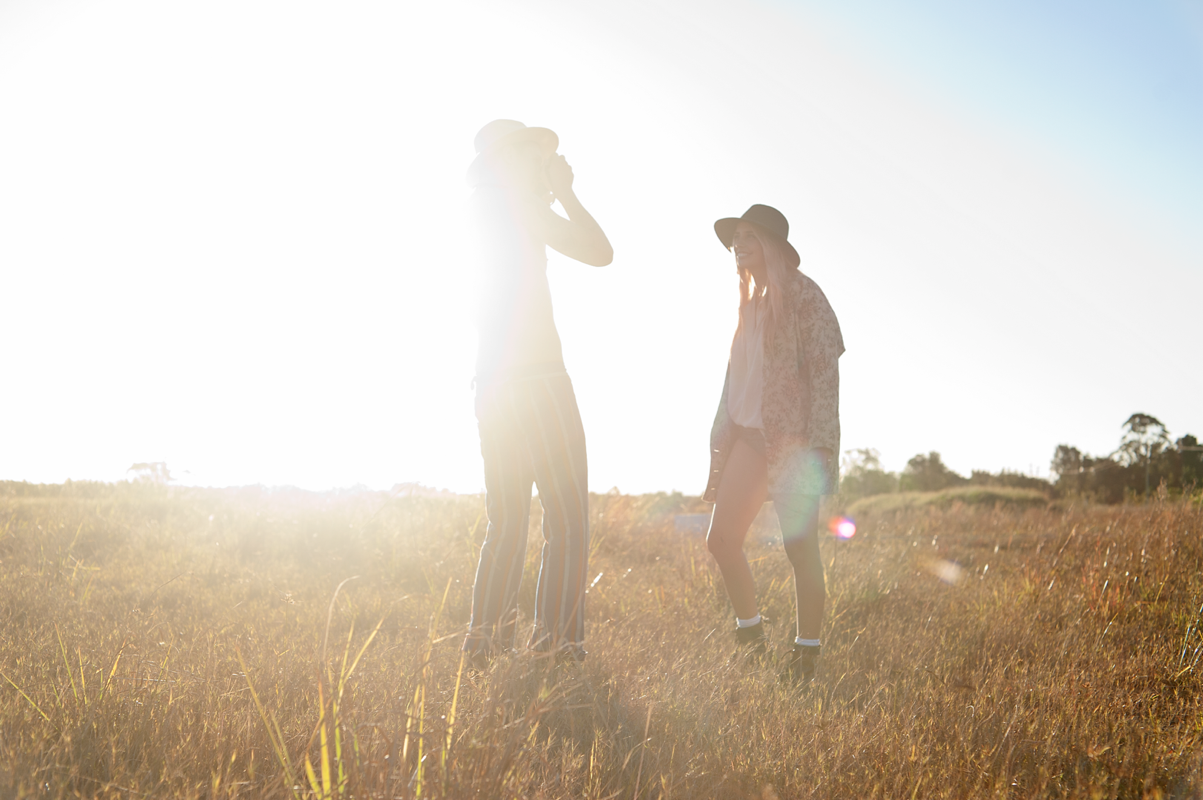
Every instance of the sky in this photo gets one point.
(232, 233)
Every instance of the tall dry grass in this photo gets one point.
(204, 643)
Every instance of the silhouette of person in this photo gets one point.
(777, 431)
(530, 428)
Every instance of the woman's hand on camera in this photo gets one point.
(559, 175)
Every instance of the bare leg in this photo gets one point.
(742, 492)
(799, 517)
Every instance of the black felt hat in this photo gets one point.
(765, 218)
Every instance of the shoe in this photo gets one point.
(573, 653)
(803, 661)
(750, 642)
(479, 660)
(570, 656)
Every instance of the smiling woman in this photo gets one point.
(777, 427)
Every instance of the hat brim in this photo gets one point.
(545, 138)
(725, 230)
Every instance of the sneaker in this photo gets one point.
(803, 660)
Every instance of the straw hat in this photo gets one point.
(501, 132)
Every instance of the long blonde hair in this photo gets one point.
(776, 268)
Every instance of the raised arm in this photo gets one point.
(578, 237)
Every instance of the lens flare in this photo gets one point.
(842, 527)
(949, 572)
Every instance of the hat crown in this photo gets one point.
(495, 131)
(501, 132)
(769, 218)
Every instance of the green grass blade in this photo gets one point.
(309, 774)
(342, 668)
(421, 739)
(343, 678)
(338, 749)
(83, 683)
(330, 614)
(274, 734)
(324, 742)
(27, 697)
(463, 657)
(75, 538)
(112, 671)
(63, 650)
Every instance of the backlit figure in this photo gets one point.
(530, 428)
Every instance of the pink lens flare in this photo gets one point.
(842, 527)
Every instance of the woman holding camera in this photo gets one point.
(530, 427)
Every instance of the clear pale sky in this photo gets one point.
(231, 233)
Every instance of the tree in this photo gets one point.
(155, 472)
(1191, 455)
(863, 474)
(1107, 480)
(1144, 439)
(860, 459)
(1069, 467)
(927, 473)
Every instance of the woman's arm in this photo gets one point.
(578, 237)
(824, 345)
(824, 429)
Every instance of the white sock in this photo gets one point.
(806, 642)
(747, 623)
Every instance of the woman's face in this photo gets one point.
(749, 254)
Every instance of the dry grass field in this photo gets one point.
(250, 643)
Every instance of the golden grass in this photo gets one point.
(196, 643)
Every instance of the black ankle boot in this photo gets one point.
(803, 661)
(751, 641)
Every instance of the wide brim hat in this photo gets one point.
(765, 218)
(500, 133)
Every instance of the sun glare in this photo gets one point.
(842, 527)
(237, 233)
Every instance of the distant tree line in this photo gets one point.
(1146, 459)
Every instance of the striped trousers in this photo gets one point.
(531, 432)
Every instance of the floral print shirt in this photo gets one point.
(801, 398)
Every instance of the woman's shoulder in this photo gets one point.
(805, 292)
(816, 316)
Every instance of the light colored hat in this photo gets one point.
(504, 132)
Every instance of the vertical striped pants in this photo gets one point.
(531, 432)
